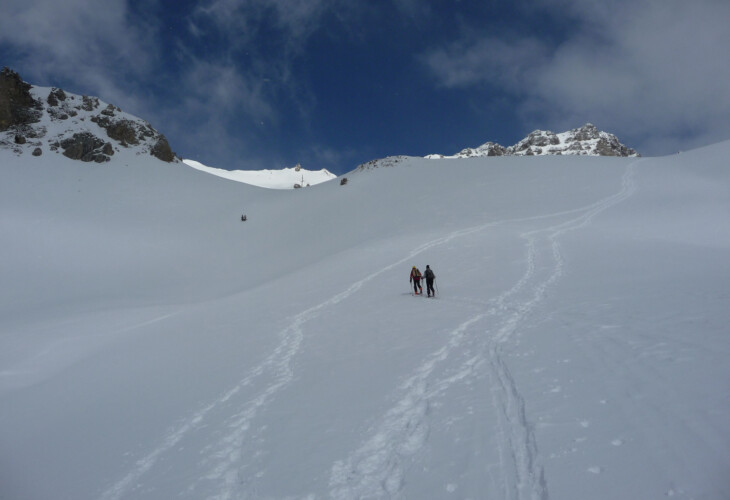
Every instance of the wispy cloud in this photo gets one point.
(261, 41)
(242, 21)
(96, 44)
(222, 87)
(225, 75)
(475, 61)
(653, 71)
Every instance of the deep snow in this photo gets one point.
(152, 345)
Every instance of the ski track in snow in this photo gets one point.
(377, 468)
(224, 457)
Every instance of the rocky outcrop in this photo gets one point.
(17, 106)
(124, 131)
(586, 140)
(162, 150)
(89, 103)
(390, 161)
(535, 143)
(55, 97)
(487, 149)
(85, 146)
(22, 106)
(59, 108)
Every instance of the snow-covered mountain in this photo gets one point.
(586, 140)
(37, 120)
(42, 120)
(154, 346)
(286, 178)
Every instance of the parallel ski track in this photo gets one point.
(224, 456)
(376, 469)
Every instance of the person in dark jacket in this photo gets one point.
(430, 276)
(416, 280)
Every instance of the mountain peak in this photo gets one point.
(586, 140)
(80, 127)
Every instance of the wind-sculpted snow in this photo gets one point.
(154, 346)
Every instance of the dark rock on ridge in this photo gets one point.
(162, 150)
(586, 140)
(20, 112)
(85, 146)
(17, 106)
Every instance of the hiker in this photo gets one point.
(416, 280)
(428, 274)
(244, 218)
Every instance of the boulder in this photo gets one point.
(587, 132)
(85, 146)
(89, 103)
(162, 150)
(109, 110)
(55, 96)
(123, 131)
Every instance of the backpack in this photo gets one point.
(429, 274)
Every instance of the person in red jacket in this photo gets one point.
(416, 280)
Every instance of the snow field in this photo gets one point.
(286, 358)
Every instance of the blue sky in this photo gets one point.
(253, 84)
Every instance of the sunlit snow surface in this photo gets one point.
(285, 178)
(154, 346)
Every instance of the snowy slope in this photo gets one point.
(285, 178)
(152, 345)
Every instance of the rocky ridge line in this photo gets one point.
(36, 117)
(586, 140)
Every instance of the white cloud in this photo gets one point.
(240, 20)
(654, 71)
(262, 39)
(221, 87)
(488, 60)
(77, 40)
